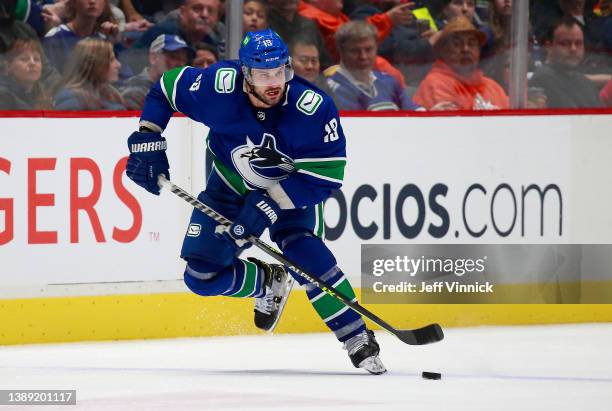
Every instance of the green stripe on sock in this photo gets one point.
(327, 305)
(249, 283)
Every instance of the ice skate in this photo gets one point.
(363, 351)
(278, 284)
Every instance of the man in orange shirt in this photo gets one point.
(329, 17)
(455, 82)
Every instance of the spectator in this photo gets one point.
(166, 52)
(154, 10)
(132, 27)
(408, 47)
(53, 14)
(606, 38)
(205, 55)
(356, 85)
(446, 10)
(30, 12)
(329, 17)
(563, 82)
(21, 87)
(306, 63)
(285, 20)
(12, 29)
(546, 13)
(86, 18)
(605, 95)
(195, 21)
(87, 81)
(254, 15)
(455, 82)
(495, 56)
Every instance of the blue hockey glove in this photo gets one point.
(147, 160)
(258, 213)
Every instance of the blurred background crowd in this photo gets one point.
(368, 55)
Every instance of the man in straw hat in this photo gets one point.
(455, 82)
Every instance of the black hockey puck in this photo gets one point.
(431, 375)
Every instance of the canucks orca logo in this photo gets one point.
(263, 165)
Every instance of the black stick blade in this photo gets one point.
(429, 334)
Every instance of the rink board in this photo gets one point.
(74, 232)
(86, 318)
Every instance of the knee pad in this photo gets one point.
(201, 269)
(205, 278)
(307, 250)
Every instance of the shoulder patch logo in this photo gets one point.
(225, 80)
(196, 84)
(309, 102)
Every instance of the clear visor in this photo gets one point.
(270, 77)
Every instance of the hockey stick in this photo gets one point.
(429, 334)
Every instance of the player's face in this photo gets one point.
(26, 67)
(567, 47)
(305, 59)
(360, 54)
(269, 84)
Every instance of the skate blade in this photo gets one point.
(373, 365)
(281, 305)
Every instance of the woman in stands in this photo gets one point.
(86, 18)
(87, 81)
(21, 87)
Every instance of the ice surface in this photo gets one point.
(565, 367)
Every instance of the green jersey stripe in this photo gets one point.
(230, 177)
(168, 84)
(322, 177)
(227, 183)
(174, 88)
(319, 160)
(333, 168)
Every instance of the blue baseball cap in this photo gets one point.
(168, 42)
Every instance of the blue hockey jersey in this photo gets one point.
(294, 150)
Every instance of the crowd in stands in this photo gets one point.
(367, 55)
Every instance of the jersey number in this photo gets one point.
(331, 129)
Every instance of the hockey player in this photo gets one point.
(278, 150)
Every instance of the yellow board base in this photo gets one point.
(66, 319)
